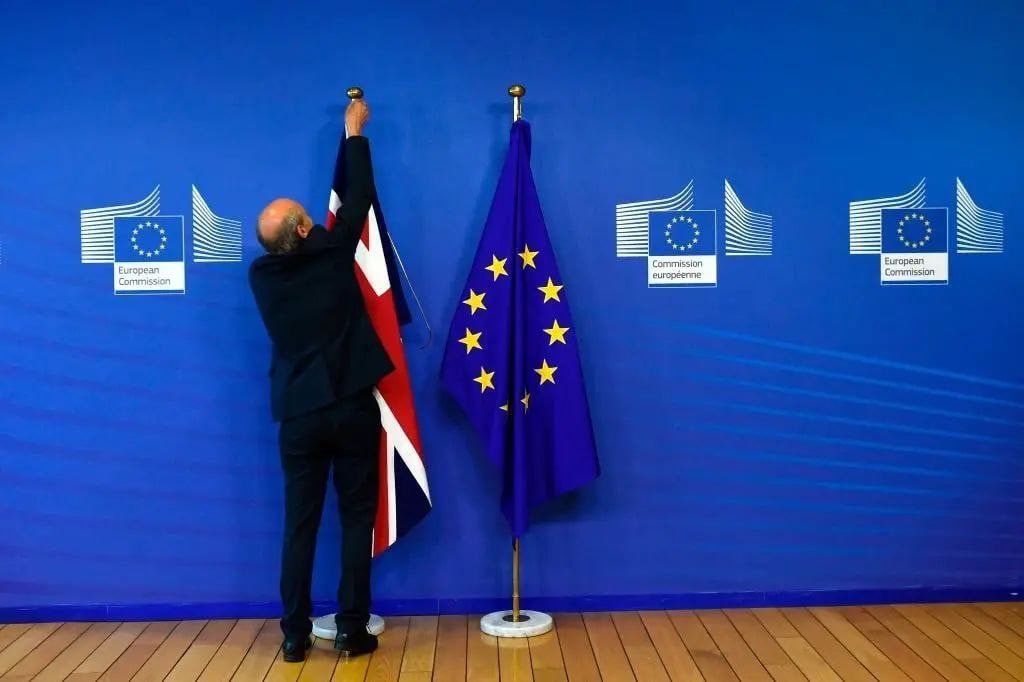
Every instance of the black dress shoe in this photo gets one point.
(355, 644)
(294, 650)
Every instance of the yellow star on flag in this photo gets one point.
(546, 372)
(475, 302)
(504, 408)
(526, 401)
(556, 333)
(485, 380)
(528, 257)
(471, 340)
(550, 291)
(497, 266)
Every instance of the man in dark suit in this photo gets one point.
(326, 361)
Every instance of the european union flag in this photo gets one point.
(914, 230)
(512, 362)
(149, 239)
(682, 233)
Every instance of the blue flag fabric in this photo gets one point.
(512, 361)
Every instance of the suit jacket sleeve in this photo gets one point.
(358, 194)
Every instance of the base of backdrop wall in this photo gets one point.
(408, 607)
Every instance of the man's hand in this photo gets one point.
(356, 116)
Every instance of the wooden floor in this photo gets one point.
(957, 642)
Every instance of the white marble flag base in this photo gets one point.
(531, 624)
(325, 627)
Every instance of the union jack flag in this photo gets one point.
(404, 497)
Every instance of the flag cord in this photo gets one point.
(415, 296)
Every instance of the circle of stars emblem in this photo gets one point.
(141, 229)
(685, 246)
(915, 243)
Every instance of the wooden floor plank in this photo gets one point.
(195, 659)
(979, 639)
(73, 656)
(283, 671)
(578, 655)
(138, 652)
(321, 661)
(546, 652)
(736, 651)
(640, 651)
(24, 644)
(450, 655)
(922, 645)
(386, 662)
(231, 652)
(351, 669)
(705, 653)
(775, 623)
(772, 656)
(47, 650)
(993, 627)
(415, 677)
(549, 675)
(817, 635)
(678, 663)
(912, 665)
(481, 654)
(810, 662)
(870, 656)
(108, 652)
(166, 656)
(608, 652)
(998, 611)
(420, 644)
(952, 643)
(514, 660)
(262, 654)
(9, 633)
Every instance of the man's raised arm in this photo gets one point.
(358, 175)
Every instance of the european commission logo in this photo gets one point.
(147, 249)
(912, 241)
(149, 255)
(682, 248)
(681, 244)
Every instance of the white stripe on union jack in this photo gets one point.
(404, 492)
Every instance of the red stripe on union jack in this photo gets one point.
(404, 492)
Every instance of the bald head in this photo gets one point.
(281, 225)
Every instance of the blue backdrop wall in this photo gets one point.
(798, 428)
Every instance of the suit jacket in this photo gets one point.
(324, 346)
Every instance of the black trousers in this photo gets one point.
(347, 436)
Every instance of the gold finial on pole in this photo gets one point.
(517, 92)
(354, 92)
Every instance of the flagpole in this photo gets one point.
(516, 92)
(517, 622)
